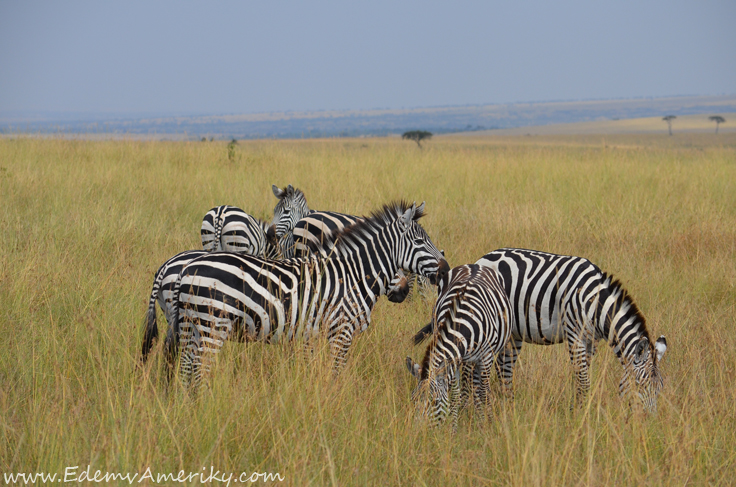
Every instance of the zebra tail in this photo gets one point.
(151, 329)
(171, 345)
(423, 334)
(219, 220)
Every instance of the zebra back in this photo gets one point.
(314, 232)
(231, 229)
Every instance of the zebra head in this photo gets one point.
(431, 394)
(291, 208)
(416, 252)
(644, 366)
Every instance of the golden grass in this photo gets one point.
(84, 225)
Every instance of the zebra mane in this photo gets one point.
(367, 227)
(623, 298)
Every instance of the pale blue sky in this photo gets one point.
(166, 57)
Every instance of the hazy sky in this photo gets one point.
(170, 57)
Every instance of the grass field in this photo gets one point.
(83, 226)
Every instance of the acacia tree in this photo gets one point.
(717, 119)
(669, 119)
(417, 136)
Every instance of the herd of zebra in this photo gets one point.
(310, 273)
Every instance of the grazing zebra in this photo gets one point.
(560, 298)
(310, 232)
(231, 229)
(223, 295)
(472, 322)
(163, 290)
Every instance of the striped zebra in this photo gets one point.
(223, 228)
(231, 296)
(472, 321)
(231, 229)
(291, 208)
(163, 289)
(561, 298)
(302, 231)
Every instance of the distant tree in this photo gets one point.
(717, 119)
(204, 139)
(669, 119)
(231, 150)
(417, 136)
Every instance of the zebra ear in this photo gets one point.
(407, 217)
(414, 368)
(290, 189)
(278, 192)
(420, 211)
(660, 346)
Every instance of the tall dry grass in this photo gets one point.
(84, 225)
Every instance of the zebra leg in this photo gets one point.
(340, 344)
(171, 349)
(505, 363)
(475, 381)
(579, 357)
(482, 378)
(455, 394)
(468, 384)
(209, 340)
(188, 348)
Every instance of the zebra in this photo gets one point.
(223, 295)
(291, 208)
(561, 298)
(472, 321)
(163, 289)
(302, 231)
(230, 228)
(223, 228)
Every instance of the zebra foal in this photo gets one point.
(471, 324)
(223, 296)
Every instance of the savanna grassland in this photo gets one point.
(83, 226)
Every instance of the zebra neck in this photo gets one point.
(374, 264)
(622, 323)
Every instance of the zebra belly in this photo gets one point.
(549, 333)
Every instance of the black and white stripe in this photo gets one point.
(301, 232)
(164, 281)
(231, 229)
(560, 298)
(312, 233)
(291, 208)
(471, 323)
(229, 296)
